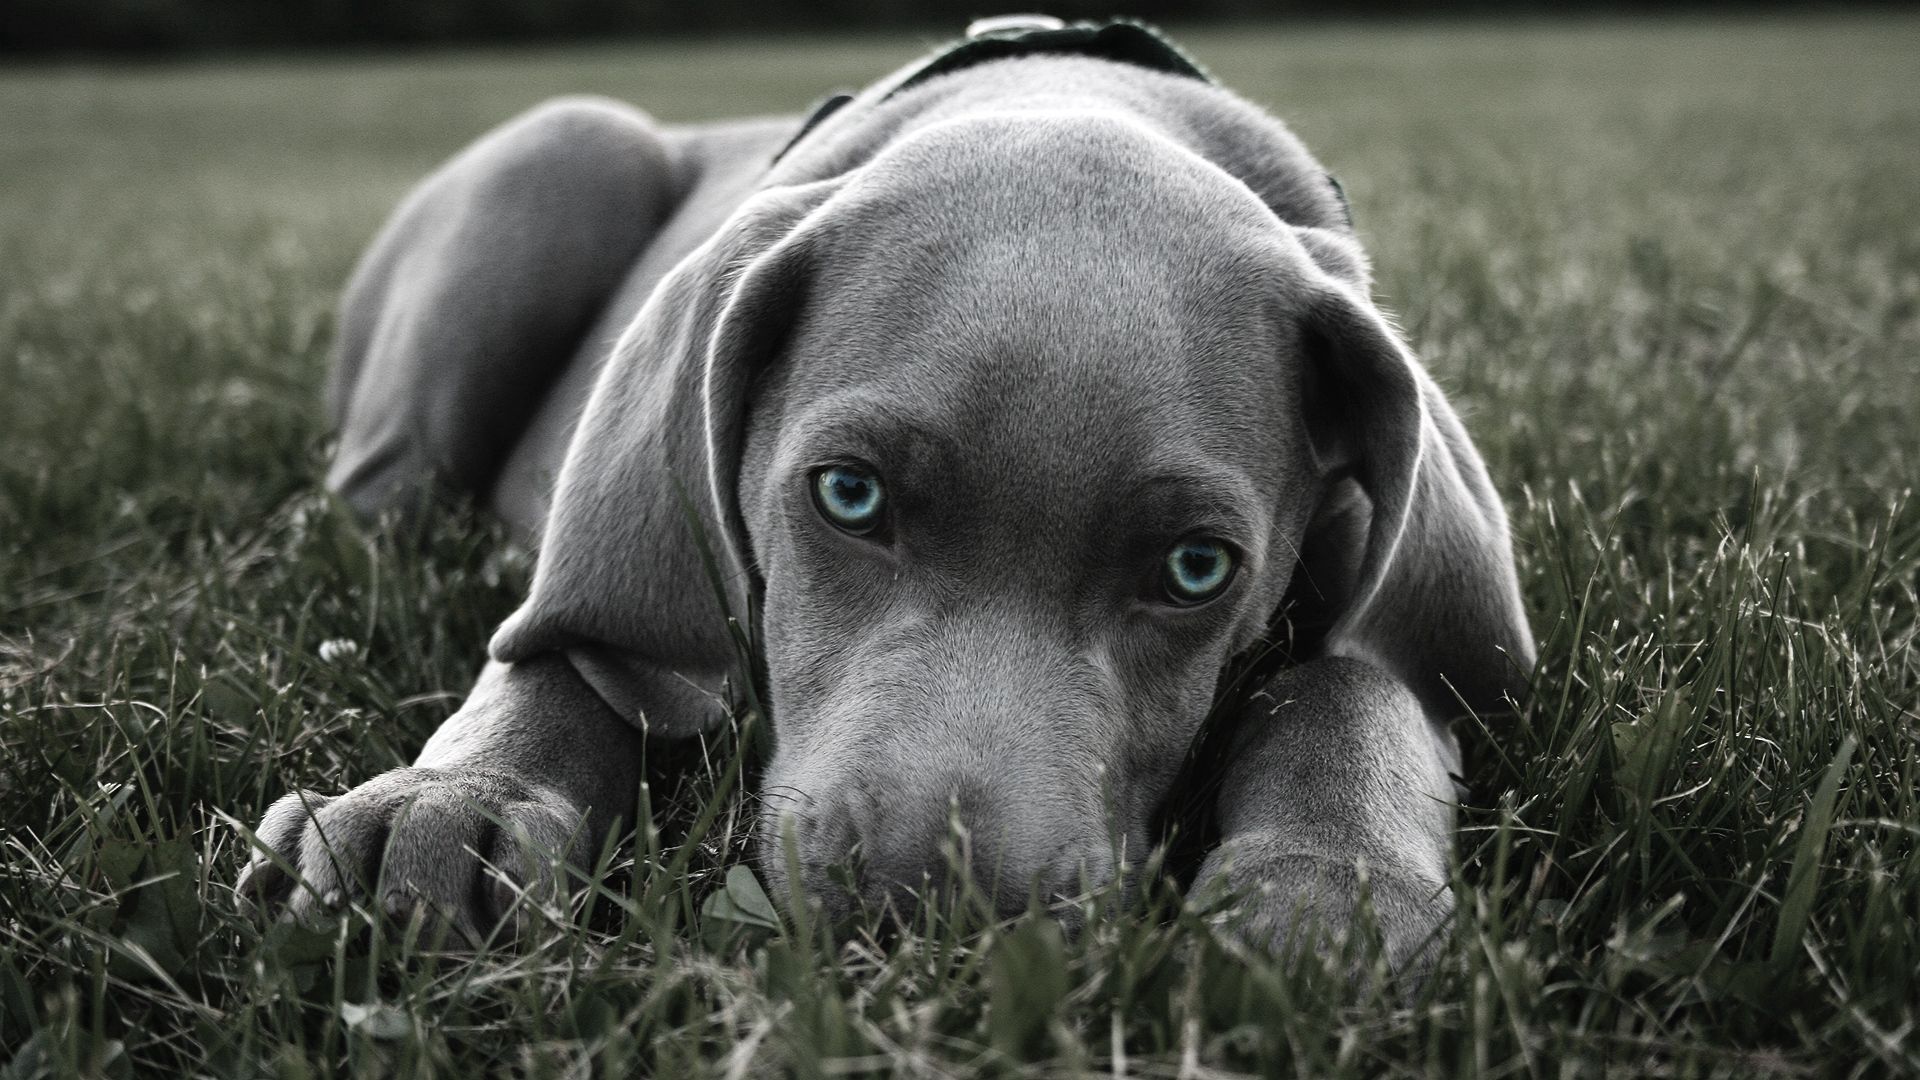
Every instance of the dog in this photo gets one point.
(1022, 392)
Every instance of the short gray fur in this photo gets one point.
(1072, 310)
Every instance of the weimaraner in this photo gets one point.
(1024, 391)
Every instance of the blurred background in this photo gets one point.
(173, 26)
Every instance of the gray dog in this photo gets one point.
(1024, 390)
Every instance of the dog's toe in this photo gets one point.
(269, 876)
(525, 863)
(432, 867)
(339, 854)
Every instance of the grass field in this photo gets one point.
(1669, 270)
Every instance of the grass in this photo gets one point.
(1668, 269)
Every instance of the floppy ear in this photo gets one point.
(1432, 597)
(621, 588)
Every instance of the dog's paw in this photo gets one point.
(457, 847)
(1296, 904)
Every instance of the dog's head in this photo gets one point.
(1022, 432)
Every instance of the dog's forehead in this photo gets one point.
(1055, 190)
(1069, 288)
(1070, 153)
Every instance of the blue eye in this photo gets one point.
(850, 497)
(1197, 570)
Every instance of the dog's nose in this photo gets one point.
(997, 849)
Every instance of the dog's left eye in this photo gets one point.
(850, 497)
(1197, 569)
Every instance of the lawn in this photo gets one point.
(1670, 271)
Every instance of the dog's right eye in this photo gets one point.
(1197, 569)
(850, 497)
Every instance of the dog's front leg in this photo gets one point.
(1337, 777)
(533, 769)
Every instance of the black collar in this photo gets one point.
(1123, 41)
(1120, 40)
